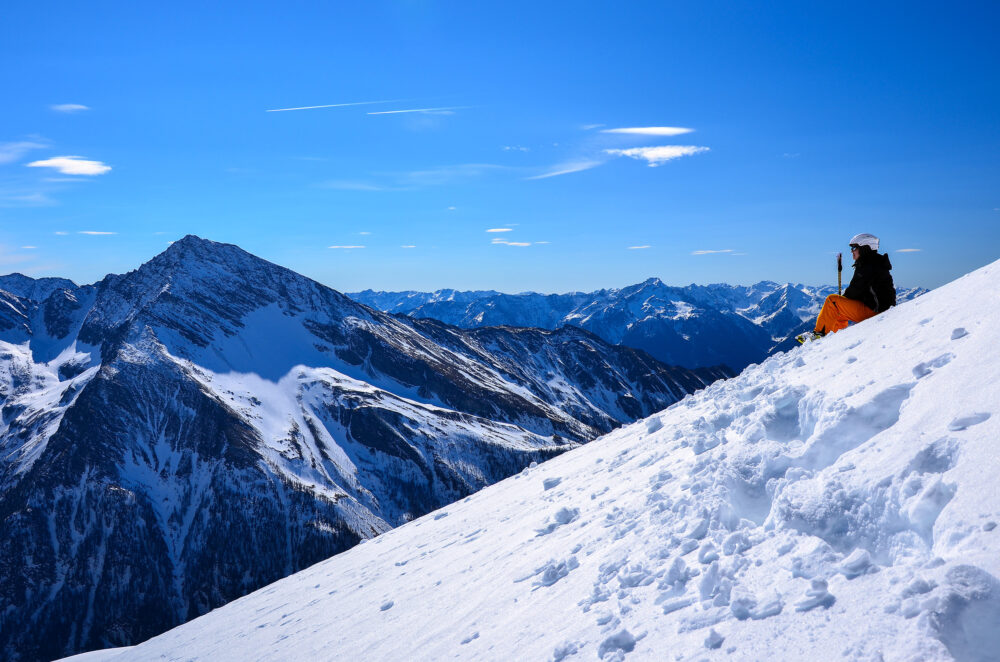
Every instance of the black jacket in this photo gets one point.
(872, 282)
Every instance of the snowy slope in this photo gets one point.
(839, 501)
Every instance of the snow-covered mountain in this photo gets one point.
(177, 436)
(693, 326)
(836, 502)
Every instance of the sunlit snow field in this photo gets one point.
(838, 501)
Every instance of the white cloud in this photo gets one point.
(61, 233)
(503, 242)
(345, 246)
(10, 152)
(95, 233)
(909, 250)
(72, 165)
(651, 131)
(452, 208)
(542, 242)
(408, 246)
(567, 168)
(656, 156)
(638, 248)
(515, 148)
(591, 127)
(365, 233)
(332, 105)
(29, 248)
(500, 230)
(68, 107)
(444, 110)
(709, 252)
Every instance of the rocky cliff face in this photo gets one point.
(175, 437)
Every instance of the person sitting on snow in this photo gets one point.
(869, 293)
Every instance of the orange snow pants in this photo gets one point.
(838, 311)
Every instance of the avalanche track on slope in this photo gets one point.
(838, 501)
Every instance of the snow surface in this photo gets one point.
(839, 501)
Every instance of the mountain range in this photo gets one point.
(178, 436)
(692, 326)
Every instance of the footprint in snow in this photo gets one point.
(549, 483)
(563, 516)
(963, 422)
(621, 642)
(921, 370)
(960, 332)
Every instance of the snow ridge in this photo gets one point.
(835, 501)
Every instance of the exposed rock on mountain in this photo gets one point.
(175, 437)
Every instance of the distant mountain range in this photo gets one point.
(180, 435)
(692, 326)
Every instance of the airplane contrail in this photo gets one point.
(417, 110)
(333, 105)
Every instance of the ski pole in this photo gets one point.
(840, 268)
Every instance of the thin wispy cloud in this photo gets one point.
(909, 250)
(29, 248)
(537, 243)
(408, 246)
(497, 241)
(10, 152)
(348, 247)
(657, 156)
(72, 165)
(710, 252)
(591, 127)
(639, 248)
(651, 131)
(447, 174)
(500, 230)
(9, 259)
(567, 168)
(332, 105)
(96, 233)
(61, 233)
(444, 110)
(515, 148)
(69, 107)
(365, 233)
(14, 197)
(352, 185)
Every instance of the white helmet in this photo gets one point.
(865, 239)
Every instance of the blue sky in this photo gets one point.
(772, 132)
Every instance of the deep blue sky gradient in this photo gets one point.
(822, 120)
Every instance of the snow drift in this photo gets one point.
(838, 501)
